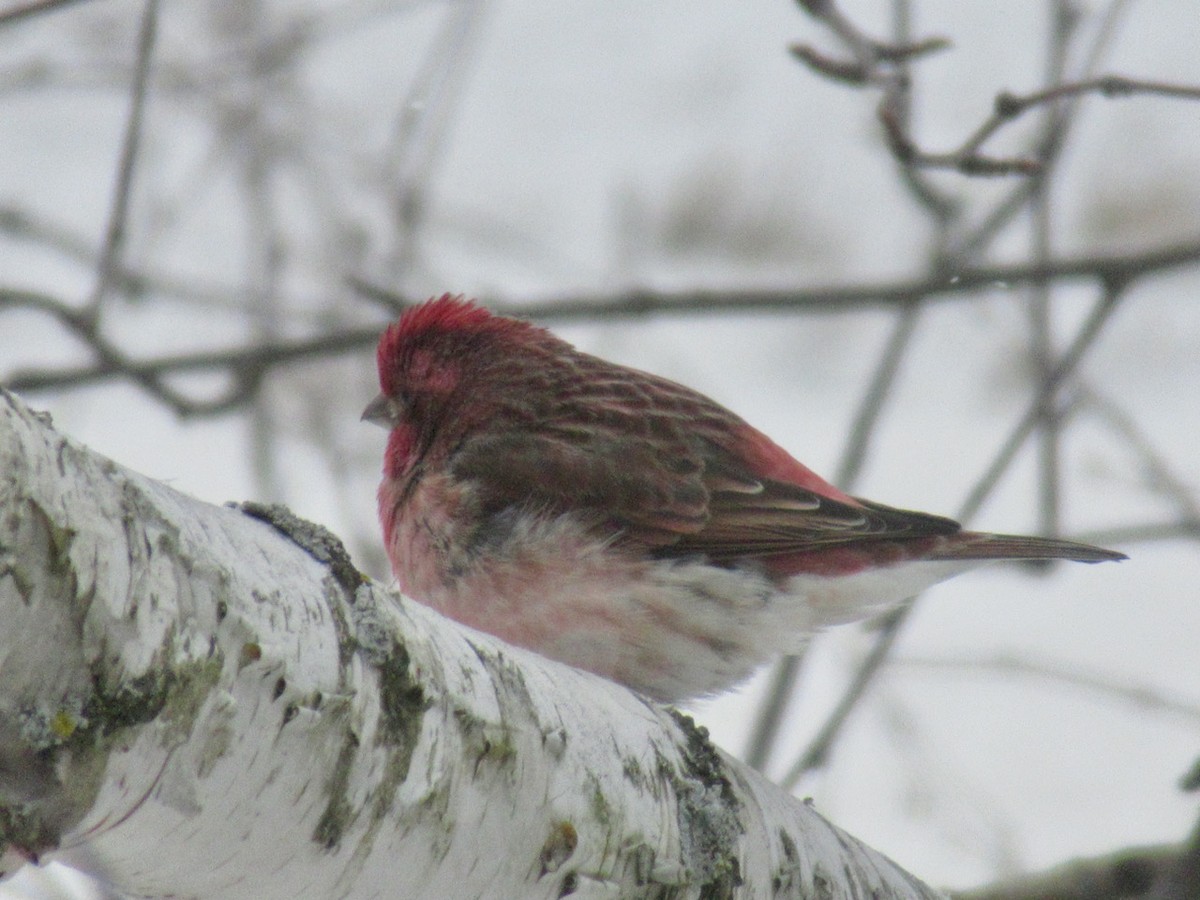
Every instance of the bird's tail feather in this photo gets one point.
(980, 545)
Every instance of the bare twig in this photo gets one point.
(947, 283)
(1054, 379)
(1011, 105)
(27, 225)
(769, 718)
(870, 58)
(1047, 147)
(1008, 107)
(1124, 535)
(1041, 344)
(1099, 683)
(33, 8)
(854, 456)
(1160, 478)
(85, 322)
(876, 63)
(897, 103)
(114, 236)
(816, 753)
(906, 150)
(424, 123)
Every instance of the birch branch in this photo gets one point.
(212, 702)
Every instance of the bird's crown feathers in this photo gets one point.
(434, 341)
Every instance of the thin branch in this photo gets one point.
(1048, 146)
(817, 752)
(1063, 369)
(34, 8)
(86, 321)
(906, 150)
(943, 207)
(24, 225)
(426, 117)
(769, 718)
(1041, 344)
(1152, 532)
(1160, 478)
(870, 59)
(879, 64)
(968, 159)
(1099, 683)
(854, 456)
(114, 237)
(636, 304)
(943, 210)
(1012, 105)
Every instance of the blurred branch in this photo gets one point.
(1051, 139)
(1011, 105)
(85, 321)
(1141, 696)
(22, 224)
(25, 10)
(1128, 873)
(252, 362)
(425, 120)
(968, 159)
(947, 284)
(1064, 19)
(816, 753)
(879, 64)
(1159, 476)
(1049, 385)
(942, 207)
(882, 380)
(785, 677)
(1169, 872)
(118, 217)
(870, 59)
(1184, 529)
(942, 210)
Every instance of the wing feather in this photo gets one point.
(655, 464)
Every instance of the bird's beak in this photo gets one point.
(383, 411)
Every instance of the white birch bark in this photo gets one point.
(194, 703)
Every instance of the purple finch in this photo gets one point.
(623, 523)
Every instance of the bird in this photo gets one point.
(623, 523)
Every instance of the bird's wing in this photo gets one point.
(652, 477)
(622, 486)
(784, 519)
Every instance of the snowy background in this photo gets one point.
(527, 150)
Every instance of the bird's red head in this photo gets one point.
(424, 349)
(432, 346)
(448, 365)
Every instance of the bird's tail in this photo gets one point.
(980, 545)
